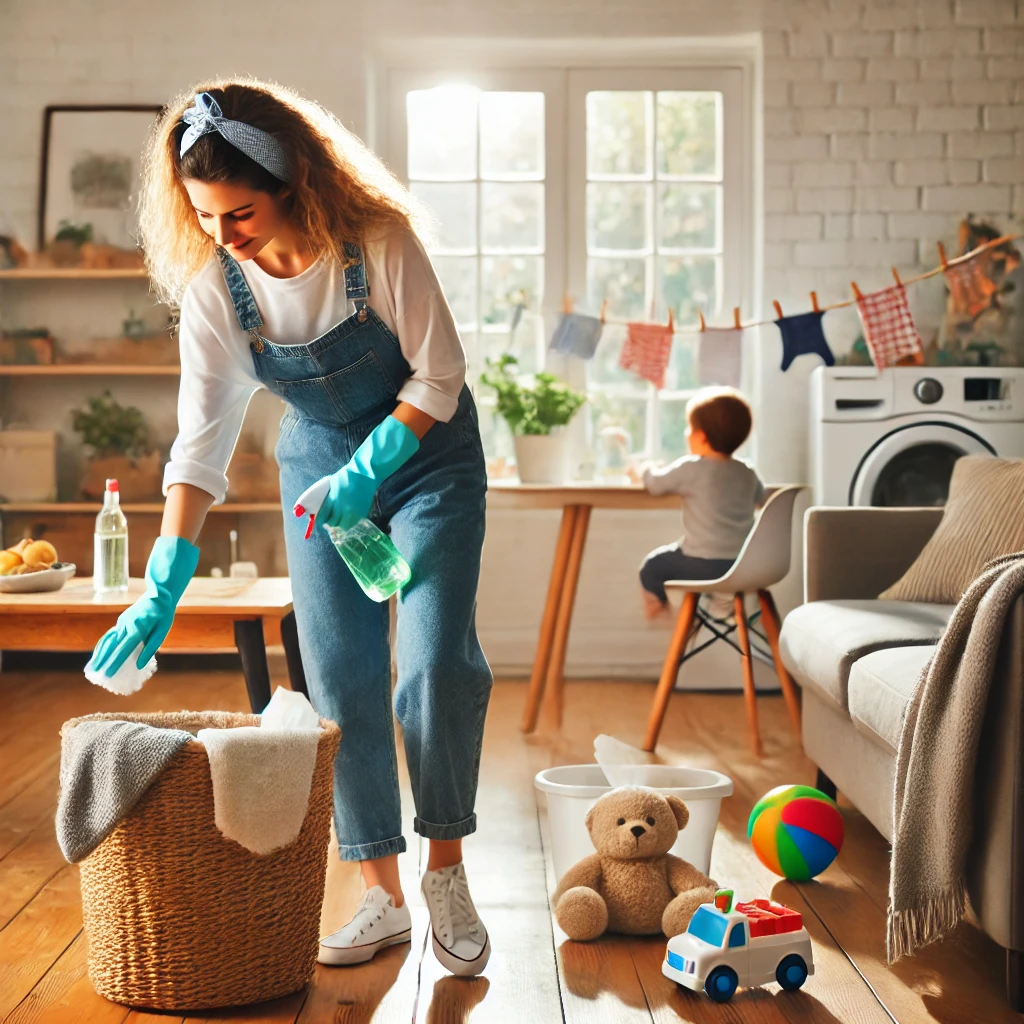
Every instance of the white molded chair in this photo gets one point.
(762, 562)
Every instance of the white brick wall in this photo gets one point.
(885, 121)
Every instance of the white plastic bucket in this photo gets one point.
(573, 789)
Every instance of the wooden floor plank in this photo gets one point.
(26, 869)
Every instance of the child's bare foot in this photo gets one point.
(655, 608)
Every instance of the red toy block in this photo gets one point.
(770, 918)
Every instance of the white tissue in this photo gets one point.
(127, 679)
(611, 753)
(289, 710)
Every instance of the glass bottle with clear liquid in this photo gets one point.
(110, 545)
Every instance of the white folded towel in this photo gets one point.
(262, 775)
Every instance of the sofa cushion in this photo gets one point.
(881, 685)
(821, 640)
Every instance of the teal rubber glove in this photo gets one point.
(350, 491)
(171, 565)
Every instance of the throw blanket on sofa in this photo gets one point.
(936, 762)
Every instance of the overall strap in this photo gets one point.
(356, 289)
(249, 318)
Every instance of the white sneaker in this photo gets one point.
(457, 934)
(377, 923)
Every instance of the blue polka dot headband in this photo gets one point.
(206, 116)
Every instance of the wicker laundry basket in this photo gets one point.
(179, 917)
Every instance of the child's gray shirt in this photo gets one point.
(719, 499)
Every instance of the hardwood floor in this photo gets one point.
(535, 974)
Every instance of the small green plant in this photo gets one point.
(69, 231)
(531, 409)
(110, 428)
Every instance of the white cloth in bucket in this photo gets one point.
(262, 775)
(127, 679)
(611, 754)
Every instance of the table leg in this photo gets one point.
(556, 667)
(547, 624)
(290, 640)
(253, 650)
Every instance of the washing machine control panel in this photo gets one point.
(928, 390)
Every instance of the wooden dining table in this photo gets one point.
(576, 502)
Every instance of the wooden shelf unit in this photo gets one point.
(70, 274)
(153, 507)
(89, 370)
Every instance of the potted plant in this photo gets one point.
(117, 436)
(536, 413)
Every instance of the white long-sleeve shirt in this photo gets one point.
(217, 374)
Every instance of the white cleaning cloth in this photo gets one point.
(262, 775)
(613, 755)
(127, 679)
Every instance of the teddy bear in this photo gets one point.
(632, 884)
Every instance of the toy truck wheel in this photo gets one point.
(791, 972)
(721, 984)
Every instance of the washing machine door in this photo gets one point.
(912, 465)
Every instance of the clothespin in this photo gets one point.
(604, 309)
(671, 320)
(736, 318)
(896, 277)
(814, 302)
(942, 255)
(700, 320)
(566, 303)
(778, 308)
(856, 290)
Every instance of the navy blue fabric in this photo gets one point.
(802, 335)
(669, 563)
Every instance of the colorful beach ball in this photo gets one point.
(796, 831)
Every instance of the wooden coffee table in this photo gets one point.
(213, 614)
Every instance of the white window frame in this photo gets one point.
(565, 72)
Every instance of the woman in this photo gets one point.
(292, 254)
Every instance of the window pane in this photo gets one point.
(672, 423)
(512, 216)
(503, 279)
(629, 414)
(604, 368)
(523, 344)
(457, 275)
(688, 216)
(512, 134)
(621, 281)
(442, 132)
(618, 128)
(617, 217)
(681, 374)
(686, 283)
(454, 206)
(688, 133)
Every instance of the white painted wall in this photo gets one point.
(884, 122)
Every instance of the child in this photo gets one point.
(719, 496)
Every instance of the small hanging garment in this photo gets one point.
(720, 357)
(647, 351)
(802, 335)
(576, 335)
(889, 328)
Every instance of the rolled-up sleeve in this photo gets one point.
(212, 400)
(426, 329)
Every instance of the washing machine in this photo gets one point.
(891, 437)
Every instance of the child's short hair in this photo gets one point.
(723, 415)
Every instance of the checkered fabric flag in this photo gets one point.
(647, 351)
(889, 328)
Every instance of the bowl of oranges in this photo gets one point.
(31, 566)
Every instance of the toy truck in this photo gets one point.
(759, 942)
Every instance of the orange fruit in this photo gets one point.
(8, 560)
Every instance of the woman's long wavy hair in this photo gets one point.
(339, 191)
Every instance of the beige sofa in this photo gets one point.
(858, 660)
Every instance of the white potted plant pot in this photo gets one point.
(542, 458)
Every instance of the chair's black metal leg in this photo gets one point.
(290, 640)
(825, 784)
(253, 650)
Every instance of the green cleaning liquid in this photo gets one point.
(373, 559)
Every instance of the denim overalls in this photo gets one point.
(338, 388)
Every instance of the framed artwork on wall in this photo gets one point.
(89, 172)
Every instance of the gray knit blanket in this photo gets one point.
(936, 762)
(105, 768)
